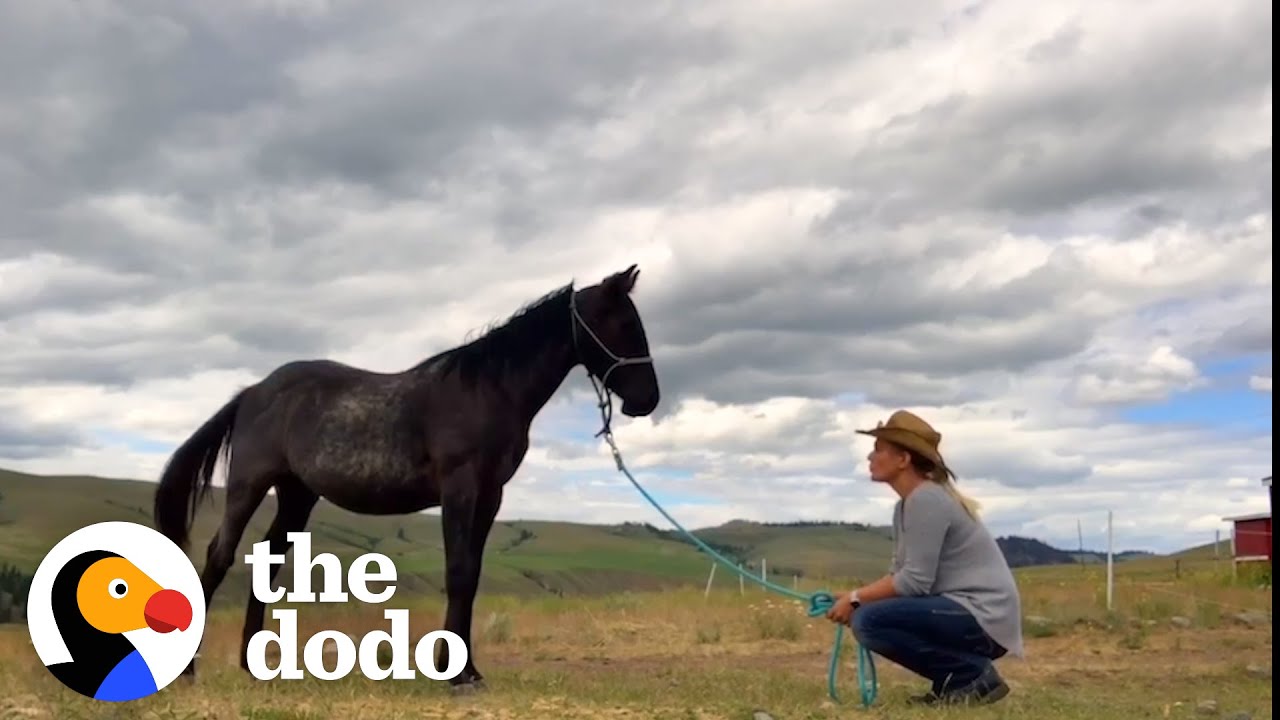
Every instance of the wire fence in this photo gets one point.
(1228, 578)
(1204, 585)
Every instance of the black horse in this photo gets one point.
(448, 433)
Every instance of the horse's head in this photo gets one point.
(611, 342)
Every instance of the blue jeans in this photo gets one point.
(932, 636)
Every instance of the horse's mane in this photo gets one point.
(513, 341)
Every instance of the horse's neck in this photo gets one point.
(534, 384)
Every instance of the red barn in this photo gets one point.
(1251, 537)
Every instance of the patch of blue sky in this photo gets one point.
(1226, 401)
(131, 441)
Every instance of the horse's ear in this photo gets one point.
(623, 282)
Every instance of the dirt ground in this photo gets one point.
(670, 657)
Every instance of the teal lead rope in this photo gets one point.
(819, 602)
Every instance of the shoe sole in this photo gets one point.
(996, 695)
(962, 699)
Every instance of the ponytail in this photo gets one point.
(970, 505)
(942, 476)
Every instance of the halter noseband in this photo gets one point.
(603, 394)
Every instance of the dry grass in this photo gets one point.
(677, 655)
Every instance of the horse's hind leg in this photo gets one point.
(294, 503)
(244, 494)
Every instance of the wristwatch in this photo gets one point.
(855, 603)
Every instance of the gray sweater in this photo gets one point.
(940, 550)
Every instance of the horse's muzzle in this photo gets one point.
(631, 408)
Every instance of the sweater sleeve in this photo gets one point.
(926, 519)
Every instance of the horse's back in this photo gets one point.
(313, 369)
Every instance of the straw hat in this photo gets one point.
(908, 430)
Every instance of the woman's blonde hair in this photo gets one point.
(938, 474)
(970, 505)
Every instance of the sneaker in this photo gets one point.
(978, 693)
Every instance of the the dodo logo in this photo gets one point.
(116, 611)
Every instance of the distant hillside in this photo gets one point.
(821, 549)
(1027, 552)
(1206, 551)
(521, 557)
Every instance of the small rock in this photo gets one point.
(761, 715)
(1207, 707)
(1241, 716)
(1038, 620)
(1252, 618)
(1259, 671)
(1179, 621)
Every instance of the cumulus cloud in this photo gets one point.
(1026, 221)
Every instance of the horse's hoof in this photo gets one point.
(464, 689)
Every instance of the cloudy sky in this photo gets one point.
(1043, 226)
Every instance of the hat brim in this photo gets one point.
(912, 442)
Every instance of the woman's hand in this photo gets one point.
(842, 611)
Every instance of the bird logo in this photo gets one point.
(116, 610)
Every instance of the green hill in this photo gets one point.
(1205, 552)
(521, 557)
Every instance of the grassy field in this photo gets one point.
(1169, 646)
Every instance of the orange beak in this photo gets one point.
(168, 610)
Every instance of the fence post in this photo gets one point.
(1080, 541)
(1110, 566)
(1235, 566)
(1217, 552)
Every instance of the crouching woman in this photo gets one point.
(949, 605)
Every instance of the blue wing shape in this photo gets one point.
(130, 679)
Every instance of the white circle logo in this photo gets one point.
(116, 611)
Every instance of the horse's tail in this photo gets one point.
(188, 474)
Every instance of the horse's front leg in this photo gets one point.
(466, 517)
